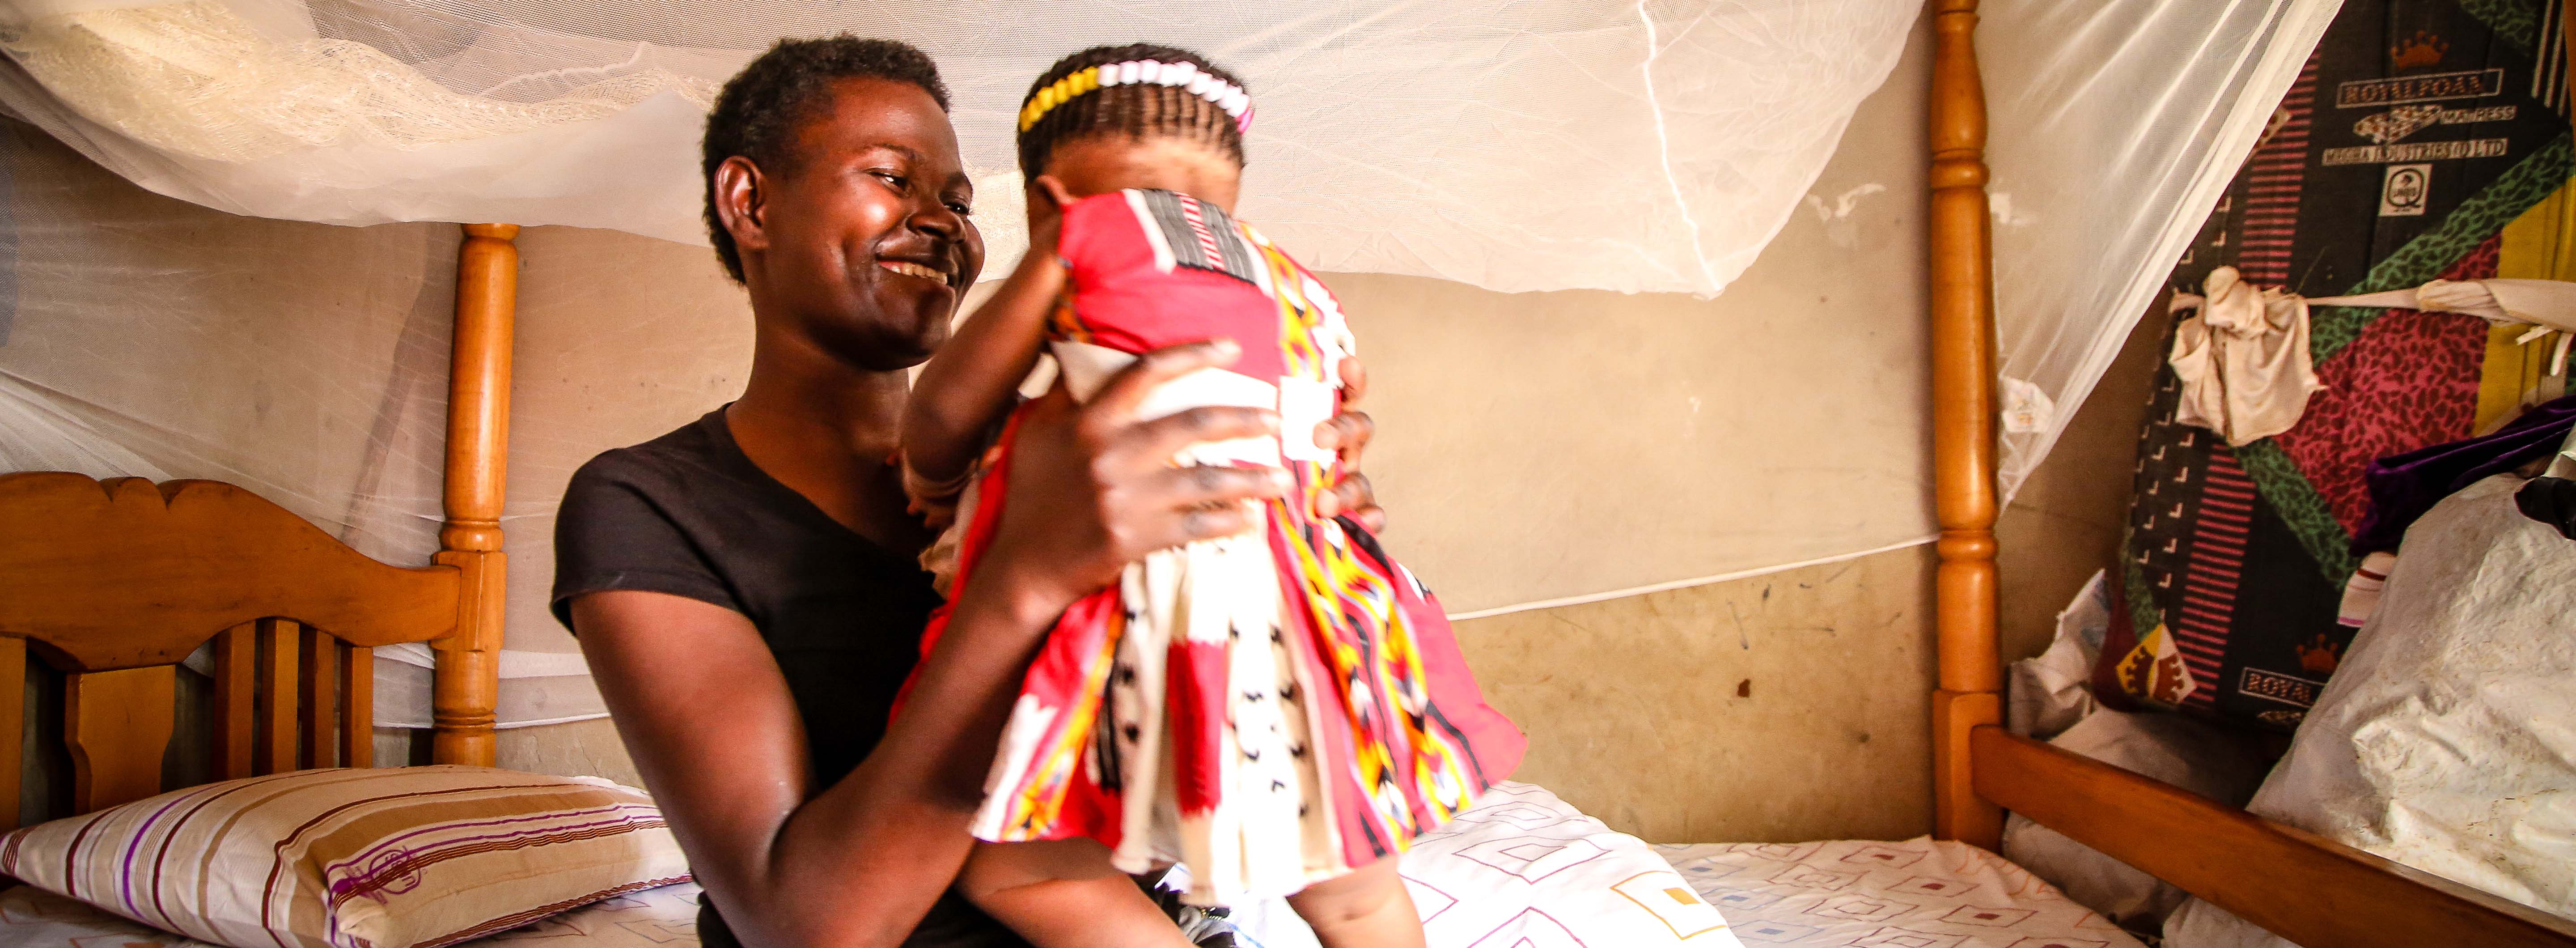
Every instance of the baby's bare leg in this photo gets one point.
(1064, 894)
(1365, 909)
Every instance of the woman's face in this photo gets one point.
(868, 243)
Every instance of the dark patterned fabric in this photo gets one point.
(2415, 133)
(2404, 487)
(1199, 236)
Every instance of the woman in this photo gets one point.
(744, 588)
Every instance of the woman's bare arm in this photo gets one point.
(706, 714)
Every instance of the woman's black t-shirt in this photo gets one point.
(689, 515)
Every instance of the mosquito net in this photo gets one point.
(1516, 146)
(1653, 148)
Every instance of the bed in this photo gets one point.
(113, 583)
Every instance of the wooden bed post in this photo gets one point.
(1963, 428)
(468, 679)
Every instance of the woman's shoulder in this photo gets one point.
(683, 455)
(633, 518)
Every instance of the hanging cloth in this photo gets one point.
(2546, 305)
(2244, 363)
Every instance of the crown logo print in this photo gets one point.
(2421, 49)
(2322, 657)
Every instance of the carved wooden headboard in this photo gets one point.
(113, 583)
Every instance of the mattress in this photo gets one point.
(1915, 894)
(1920, 893)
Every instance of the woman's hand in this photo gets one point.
(1091, 489)
(1347, 433)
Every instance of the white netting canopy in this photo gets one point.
(1652, 148)
(1515, 146)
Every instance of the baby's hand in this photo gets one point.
(935, 504)
(1047, 199)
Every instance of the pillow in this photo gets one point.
(410, 857)
(1522, 867)
(2443, 742)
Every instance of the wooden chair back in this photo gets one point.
(115, 582)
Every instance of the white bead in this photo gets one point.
(1146, 73)
(1109, 75)
(1198, 85)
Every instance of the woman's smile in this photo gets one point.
(921, 271)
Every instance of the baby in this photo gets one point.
(1281, 712)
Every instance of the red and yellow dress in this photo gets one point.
(1269, 709)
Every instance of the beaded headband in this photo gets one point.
(1226, 95)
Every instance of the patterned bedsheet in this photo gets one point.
(1920, 893)
(1914, 894)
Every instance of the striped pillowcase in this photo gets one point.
(411, 857)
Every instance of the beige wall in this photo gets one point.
(1779, 708)
(1795, 706)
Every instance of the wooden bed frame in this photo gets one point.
(114, 583)
(2311, 890)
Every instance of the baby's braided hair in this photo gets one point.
(1137, 111)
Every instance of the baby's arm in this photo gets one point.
(969, 382)
(1064, 894)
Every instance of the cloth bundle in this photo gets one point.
(2244, 364)
(1269, 709)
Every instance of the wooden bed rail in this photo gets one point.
(467, 685)
(1963, 428)
(2299, 885)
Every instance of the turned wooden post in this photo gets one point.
(1963, 428)
(468, 679)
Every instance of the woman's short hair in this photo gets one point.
(758, 113)
(1136, 111)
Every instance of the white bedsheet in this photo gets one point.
(1919, 893)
